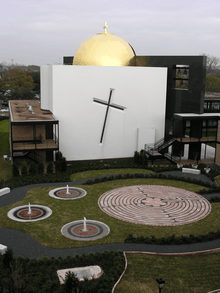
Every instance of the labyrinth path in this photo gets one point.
(154, 205)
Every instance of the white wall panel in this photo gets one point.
(142, 90)
(46, 77)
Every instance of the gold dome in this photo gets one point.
(104, 49)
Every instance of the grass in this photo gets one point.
(5, 166)
(217, 179)
(181, 274)
(48, 233)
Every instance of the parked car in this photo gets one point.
(4, 110)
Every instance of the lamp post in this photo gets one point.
(160, 283)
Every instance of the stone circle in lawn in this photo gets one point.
(94, 230)
(154, 205)
(22, 214)
(73, 193)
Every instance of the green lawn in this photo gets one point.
(4, 125)
(4, 138)
(48, 232)
(196, 274)
(5, 166)
(217, 179)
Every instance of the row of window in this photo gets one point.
(205, 123)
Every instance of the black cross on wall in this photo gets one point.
(108, 104)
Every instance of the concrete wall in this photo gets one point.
(141, 90)
(46, 79)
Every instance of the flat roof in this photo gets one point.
(212, 96)
(29, 110)
(193, 115)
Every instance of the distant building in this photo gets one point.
(33, 132)
(212, 102)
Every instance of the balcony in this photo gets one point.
(195, 139)
(46, 144)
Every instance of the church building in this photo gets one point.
(106, 106)
(107, 102)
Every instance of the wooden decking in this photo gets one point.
(24, 146)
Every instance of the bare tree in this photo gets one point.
(212, 65)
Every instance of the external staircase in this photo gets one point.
(158, 149)
(35, 157)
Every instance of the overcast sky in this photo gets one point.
(43, 31)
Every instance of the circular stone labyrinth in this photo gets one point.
(21, 213)
(154, 205)
(61, 193)
(94, 230)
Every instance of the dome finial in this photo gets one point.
(105, 28)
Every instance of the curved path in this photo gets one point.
(24, 245)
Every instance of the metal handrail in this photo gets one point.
(156, 146)
(158, 143)
(166, 144)
(148, 149)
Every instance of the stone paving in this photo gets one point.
(154, 205)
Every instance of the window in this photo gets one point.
(181, 77)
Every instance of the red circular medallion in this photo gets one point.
(90, 230)
(34, 213)
(63, 193)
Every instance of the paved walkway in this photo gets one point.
(26, 246)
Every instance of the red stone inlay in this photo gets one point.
(62, 193)
(154, 205)
(34, 213)
(91, 230)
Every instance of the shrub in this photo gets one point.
(24, 168)
(32, 169)
(61, 165)
(58, 168)
(58, 156)
(40, 168)
(70, 282)
(89, 182)
(136, 157)
(173, 239)
(7, 258)
(141, 158)
(15, 170)
(50, 168)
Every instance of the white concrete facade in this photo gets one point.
(69, 92)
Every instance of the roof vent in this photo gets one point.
(30, 109)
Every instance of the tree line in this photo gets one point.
(19, 84)
(212, 74)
